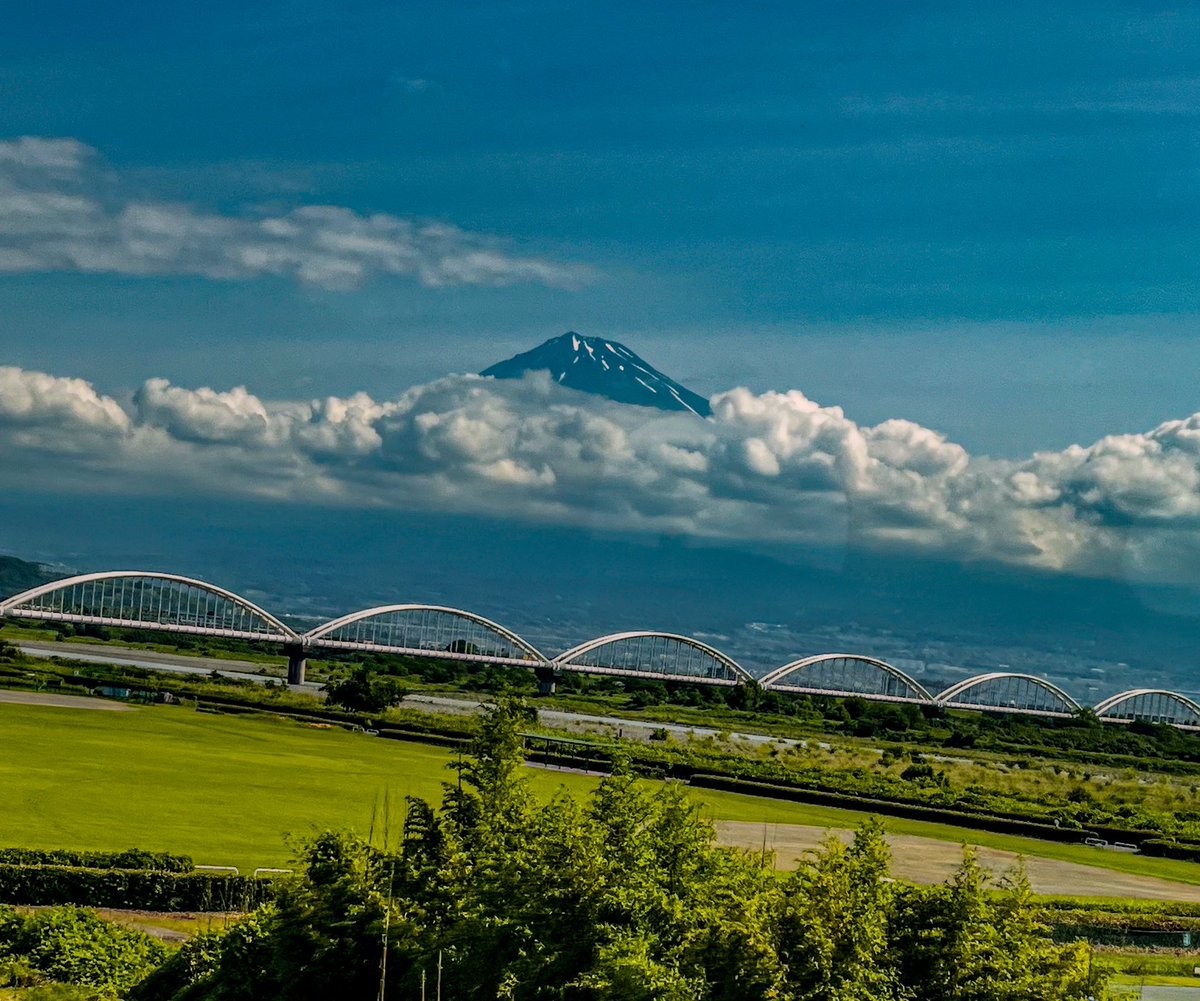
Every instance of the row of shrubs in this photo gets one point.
(912, 811)
(1088, 918)
(28, 885)
(1171, 849)
(131, 858)
(1123, 905)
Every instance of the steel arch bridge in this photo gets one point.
(166, 602)
(422, 630)
(653, 655)
(846, 675)
(1151, 705)
(139, 599)
(1003, 691)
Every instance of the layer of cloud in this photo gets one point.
(59, 211)
(772, 468)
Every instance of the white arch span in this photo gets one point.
(28, 605)
(952, 695)
(570, 658)
(776, 678)
(1103, 709)
(321, 635)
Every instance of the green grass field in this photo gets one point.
(236, 790)
(224, 789)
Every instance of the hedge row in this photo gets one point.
(1124, 938)
(1126, 906)
(131, 858)
(1120, 922)
(910, 811)
(29, 885)
(1171, 849)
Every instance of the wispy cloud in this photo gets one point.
(767, 468)
(59, 211)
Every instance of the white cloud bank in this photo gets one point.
(59, 211)
(774, 468)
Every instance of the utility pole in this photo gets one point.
(439, 982)
(387, 924)
(383, 957)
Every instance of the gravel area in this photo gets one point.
(21, 698)
(926, 860)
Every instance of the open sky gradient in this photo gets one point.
(935, 263)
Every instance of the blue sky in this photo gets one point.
(964, 225)
(1007, 190)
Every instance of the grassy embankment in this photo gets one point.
(229, 790)
(1156, 791)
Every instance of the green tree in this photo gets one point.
(624, 898)
(836, 920)
(963, 942)
(365, 691)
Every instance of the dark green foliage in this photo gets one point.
(1171, 849)
(627, 897)
(132, 858)
(72, 946)
(130, 888)
(195, 960)
(959, 943)
(365, 691)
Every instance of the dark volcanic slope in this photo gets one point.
(17, 575)
(606, 368)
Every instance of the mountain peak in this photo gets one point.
(604, 367)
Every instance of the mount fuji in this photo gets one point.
(604, 367)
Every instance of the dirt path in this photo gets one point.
(926, 860)
(174, 927)
(21, 698)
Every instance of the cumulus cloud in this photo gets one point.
(60, 211)
(43, 414)
(770, 468)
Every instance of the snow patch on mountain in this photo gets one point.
(606, 368)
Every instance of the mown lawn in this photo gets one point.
(239, 790)
(227, 790)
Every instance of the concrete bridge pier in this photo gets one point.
(297, 659)
(547, 678)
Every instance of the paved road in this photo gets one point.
(152, 660)
(174, 663)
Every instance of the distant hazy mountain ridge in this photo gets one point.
(18, 575)
(604, 367)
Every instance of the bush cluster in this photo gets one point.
(131, 888)
(67, 945)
